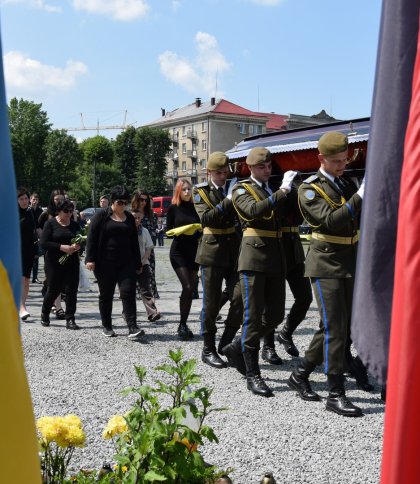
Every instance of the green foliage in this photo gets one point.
(161, 442)
(152, 145)
(29, 128)
(126, 157)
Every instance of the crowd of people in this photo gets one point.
(242, 239)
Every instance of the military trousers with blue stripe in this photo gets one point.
(334, 298)
(212, 278)
(263, 296)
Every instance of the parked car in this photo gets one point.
(88, 213)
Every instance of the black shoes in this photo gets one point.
(302, 386)
(184, 332)
(340, 404)
(227, 337)
(134, 332)
(71, 324)
(257, 385)
(270, 356)
(59, 314)
(286, 340)
(45, 319)
(109, 332)
(234, 355)
(154, 317)
(36, 281)
(211, 358)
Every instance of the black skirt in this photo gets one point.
(183, 252)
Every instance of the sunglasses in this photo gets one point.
(68, 210)
(143, 199)
(121, 202)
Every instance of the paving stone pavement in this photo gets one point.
(83, 372)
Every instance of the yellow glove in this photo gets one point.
(190, 229)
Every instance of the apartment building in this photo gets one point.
(199, 129)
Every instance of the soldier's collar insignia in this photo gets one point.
(197, 198)
(310, 194)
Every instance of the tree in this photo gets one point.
(97, 173)
(29, 128)
(62, 157)
(126, 157)
(152, 145)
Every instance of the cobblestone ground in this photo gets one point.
(83, 372)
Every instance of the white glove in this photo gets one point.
(229, 196)
(361, 190)
(288, 178)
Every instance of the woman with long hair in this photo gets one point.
(183, 249)
(142, 203)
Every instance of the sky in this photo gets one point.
(119, 61)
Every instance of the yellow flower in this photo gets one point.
(64, 431)
(116, 425)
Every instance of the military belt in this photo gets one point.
(335, 239)
(289, 229)
(250, 232)
(212, 231)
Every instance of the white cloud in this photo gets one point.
(176, 4)
(37, 4)
(124, 10)
(198, 75)
(30, 75)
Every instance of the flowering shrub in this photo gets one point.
(59, 436)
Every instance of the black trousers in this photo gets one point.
(212, 280)
(302, 293)
(109, 274)
(62, 278)
(264, 296)
(334, 299)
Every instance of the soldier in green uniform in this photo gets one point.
(331, 203)
(217, 255)
(261, 264)
(300, 285)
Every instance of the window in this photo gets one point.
(251, 129)
(242, 128)
(184, 131)
(203, 162)
(203, 180)
(258, 129)
(204, 144)
(203, 127)
(184, 166)
(184, 148)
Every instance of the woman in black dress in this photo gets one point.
(56, 238)
(183, 250)
(142, 202)
(27, 241)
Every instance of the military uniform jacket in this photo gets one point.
(216, 212)
(332, 215)
(259, 253)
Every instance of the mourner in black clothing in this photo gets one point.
(113, 253)
(36, 212)
(183, 250)
(56, 241)
(27, 243)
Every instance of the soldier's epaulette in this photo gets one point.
(311, 179)
(201, 185)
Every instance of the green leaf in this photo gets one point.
(154, 476)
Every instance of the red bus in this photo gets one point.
(161, 205)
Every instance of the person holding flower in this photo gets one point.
(57, 241)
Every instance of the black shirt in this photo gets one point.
(54, 234)
(182, 214)
(117, 244)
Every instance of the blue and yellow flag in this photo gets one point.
(19, 462)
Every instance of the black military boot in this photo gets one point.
(227, 338)
(299, 381)
(358, 371)
(337, 401)
(209, 355)
(71, 324)
(233, 353)
(285, 337)
(254, 380)
(268, 352)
